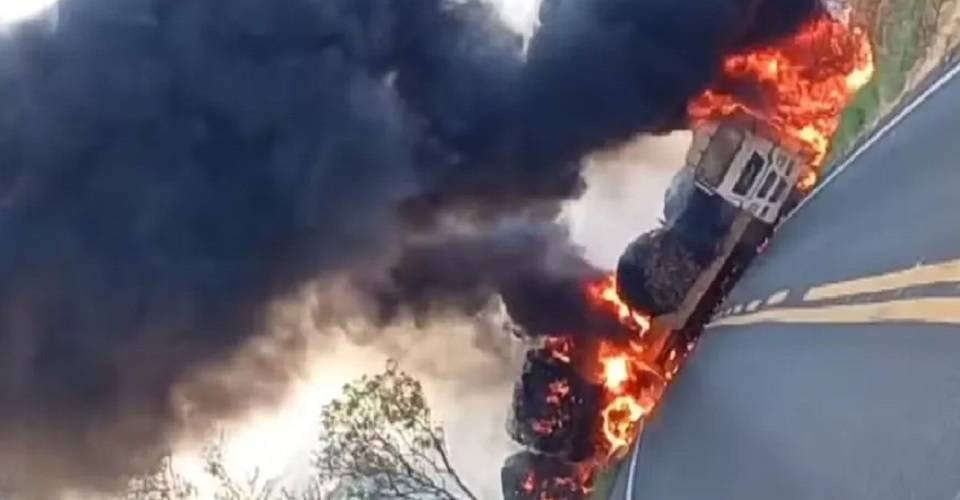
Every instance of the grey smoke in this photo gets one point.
(169, 169)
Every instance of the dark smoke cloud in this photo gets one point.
(533, 267)
(596, 73)
(169, 169)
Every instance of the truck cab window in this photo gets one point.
(779, 191)
(767, 184)
(749, 176)
(719, 155)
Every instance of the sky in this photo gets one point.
(469, 388)
(17, 10)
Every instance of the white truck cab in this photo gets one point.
(739, 162)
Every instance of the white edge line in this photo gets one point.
(631, 472)
(949, 75)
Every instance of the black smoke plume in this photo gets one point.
(169, 169)
(531, 266)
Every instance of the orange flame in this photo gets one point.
(808, 180)
(603, 294)
(615, 373)
(620, 420)
(632, 387)
(803, 84)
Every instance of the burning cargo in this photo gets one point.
(529, 476)
(554, 407)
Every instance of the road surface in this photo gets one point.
(834, 369)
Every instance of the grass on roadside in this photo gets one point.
(605, 481)
(901, 30)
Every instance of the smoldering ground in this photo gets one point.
(169, 170)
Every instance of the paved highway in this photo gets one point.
(834, 369)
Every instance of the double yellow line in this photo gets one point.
(937, 310)
(935, 274)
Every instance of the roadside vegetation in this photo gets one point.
(911, 38)
(605, 482)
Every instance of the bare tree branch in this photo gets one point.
(379, 437)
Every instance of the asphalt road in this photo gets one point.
(834, 370)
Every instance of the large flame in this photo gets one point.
(620, 420)
(799, 86)
(603, 295)
(616, 372)
(632, 386)
(630, 383)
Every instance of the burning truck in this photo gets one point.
(735, 173)
(738, 181)
(761, 132)
(755, 153)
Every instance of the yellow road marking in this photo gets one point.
(939, 310)
(946, 272)
(778, 298)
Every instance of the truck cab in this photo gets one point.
(741, 164)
